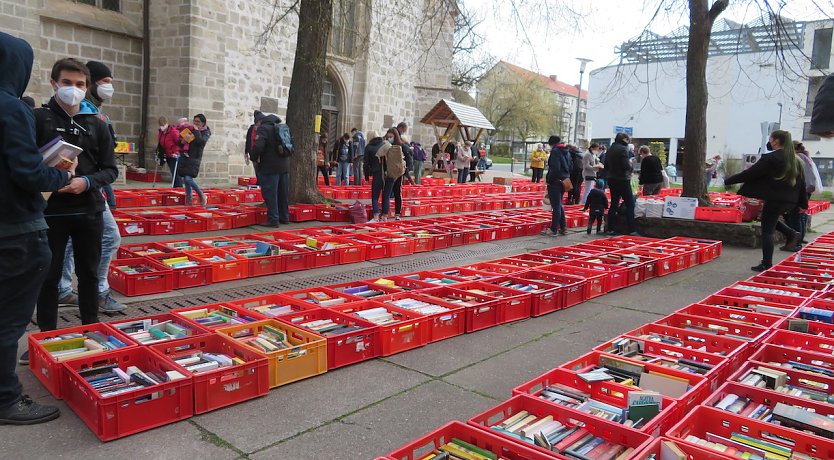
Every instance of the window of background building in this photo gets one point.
(814, 84)
(112, 5)
(821, 54)
(343, 35)
(806, 133)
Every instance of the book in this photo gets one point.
(186, 135)
(59, 153)
(644, 405)
(670, 451)
(666, 385)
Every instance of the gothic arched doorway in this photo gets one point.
(331, 107)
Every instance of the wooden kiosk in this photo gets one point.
(450, 118)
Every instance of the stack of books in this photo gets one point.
(745, 446)
(268, 340)
(111, 380)
(418, 306)
(200, 362)
(75, 345)
(330, 328)
(224, 316)
(149, 331)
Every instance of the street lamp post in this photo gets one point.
(583, 62)
(780, 114)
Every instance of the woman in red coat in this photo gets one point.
(169, 147)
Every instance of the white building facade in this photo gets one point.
(748, 86)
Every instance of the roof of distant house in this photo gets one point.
(550, 82)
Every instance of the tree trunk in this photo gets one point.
(701, 19)
(308, 73)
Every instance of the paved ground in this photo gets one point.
(368, 409)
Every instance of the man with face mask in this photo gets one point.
(76, 210)
(101, 90)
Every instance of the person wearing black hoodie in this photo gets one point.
(24, 247)
(618, 168)
(250, 139)
(373, 171)
(76, 211)
(273, 171)
(558, 169)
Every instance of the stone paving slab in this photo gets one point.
(289, 410)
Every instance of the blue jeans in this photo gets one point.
(191, 184)
(111, 197)
(463, 174)
(24, 260)
(276, 190)
(556, 193)
(342, 173)
(357, 171)
(110, 241)
(377, 184)
(418, 171)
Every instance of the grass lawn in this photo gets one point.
(501, 160)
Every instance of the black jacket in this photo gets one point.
(96, 162)
(190, 165)
(22, 175)
(651, 170)
(371, 162)
(576, 163)
(617, 164)
(249, 146)
(265, 151)
(760, 181)
(596, 201)
(558, 165)
(822, 119)
(337, 150)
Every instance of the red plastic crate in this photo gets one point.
(787, 279)
(347, 348)
(131, 251)
(770, 353)
(728, 215)
(635, 270)
(49, 370)
(244, 314)
(302, 213)
(493, 270)
(787, 302)
(573, 289)
(618, 277)
(735, 350)
(748, 305)
(545, 299)
(309, 296)
(711, 249)
(409, 331)
(224, 386)
(233, 267)
(190, 224)
(441, 325)
(398, 246)
(296, 259)
(730, 329)
(698, 384)
(731, 314)
(504, 449)
(692, 452)
(121, 415)
(160, 279)
(132, 226)
(484, 314)
(349, 251)
(326, 213)
(724, 424)
(513, 305)
(606, 392)
(191, 328)
(596, 283)
(796, 379)
(278, 300)
(262, 265)
(367, 285)
(186, 277)
(612, 432)
(520, 262)
(374, 248)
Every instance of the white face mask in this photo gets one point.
(163, 127)
(105, 91)
(70, 95)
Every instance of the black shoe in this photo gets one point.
(589, 230)
(793, 242)
(284, 222)
(24, 358)
(563, 232)
(28, 412)
(611, 233)
(760, 268)
(271, 224)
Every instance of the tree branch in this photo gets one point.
(717, 8)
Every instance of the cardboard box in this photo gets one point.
(680, 207)
(122, 179)
(654, 208)
(502, 180)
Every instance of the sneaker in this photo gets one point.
(589, 230)
(24, 358)
(28, 412)
(611, 233)
(548, 233)
(793, 242)
(760, 268)
(373, 221)
(70, 299)
(203, 200)
(563, 232)
(271, 224)
(284, 222)
(397, 218)
(108, 304)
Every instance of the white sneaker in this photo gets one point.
(373, 221)
(383, 219)
(397, 218)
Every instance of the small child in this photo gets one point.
(597, 202)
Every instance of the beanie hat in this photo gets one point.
(259, 116)
(98, 71)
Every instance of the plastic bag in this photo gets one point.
(358, 213)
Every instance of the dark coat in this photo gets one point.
(651, 170)
(337, 148)
(190, 165)
(822, 119)
(558, 165)
(760, 181)
(596, 201)
(617, 164)
(22, 175)
(371, 163)
(265, 151)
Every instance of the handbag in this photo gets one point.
(567, 185)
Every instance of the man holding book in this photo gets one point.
(24, 250)
(76, 210)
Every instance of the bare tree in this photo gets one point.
(517, 105)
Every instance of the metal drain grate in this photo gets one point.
(417, 262)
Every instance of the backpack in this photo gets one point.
(285, 147)
(344, 152)
(394, 162)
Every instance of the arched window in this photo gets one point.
(343, 34)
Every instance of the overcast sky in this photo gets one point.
(605, 25)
